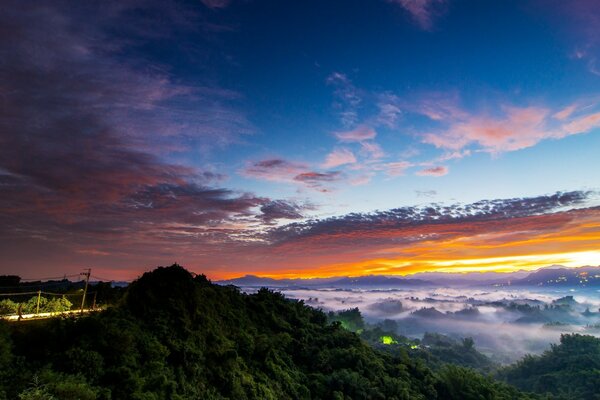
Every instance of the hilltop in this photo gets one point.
(176, 336)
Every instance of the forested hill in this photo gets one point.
(570, 370)
(175, 336)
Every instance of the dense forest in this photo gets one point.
(435, 349)
(176, 336)
(570, 369)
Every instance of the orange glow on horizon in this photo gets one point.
(518, 246)
(393, 267)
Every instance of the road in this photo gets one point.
(45, 315)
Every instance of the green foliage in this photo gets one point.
(570, 369)
(8, 307)
(51, 386)
(56, 304)
(459, 383)
(350, 319)
(439, 350)
(175, 336)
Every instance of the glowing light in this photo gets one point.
(388, 340)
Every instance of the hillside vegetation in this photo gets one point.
(570, 370)
(175, 336)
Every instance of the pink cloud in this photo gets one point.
(397, 168)
(275, 169)
(361, 179)
(565, 112)
(433, 171)
(317, 180)
(422, 11)
(280, 170)
(372, 150)
(339, 157)
(582, 124)
(359, 134)
(517, 128)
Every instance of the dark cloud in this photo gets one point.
(85, 125)
(280, 209)
(316, 180)
(406, 224)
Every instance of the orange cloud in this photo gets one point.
(498, 244)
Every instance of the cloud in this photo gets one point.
(581, 124)
(433, 171)
(372, 150)
(83, 137)
(565, 112)
(339, 157)
(347, 97)
(280, 170)
(359, 134)
(216, 3)
(426, 193)
(402, 220)
(279, 209)
(362, 179)
(274, 169)
(397, 168)
(518, 129)
(500, 234)
(422, 11)
(389, 110)
(316, 180)
(578, 21)
(514, 128)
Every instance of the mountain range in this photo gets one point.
(551, 276)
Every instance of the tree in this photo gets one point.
(8, 307)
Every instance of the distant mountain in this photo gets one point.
(470, 278)
(554, 275)
(378, 281)
(429, 312)
(253, 280)
(370, 281)
(562, 277)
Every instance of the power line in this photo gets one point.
(42, 284)
(49, 278)
(43, 292)
(17, 294)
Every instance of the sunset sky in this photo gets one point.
(298, 138)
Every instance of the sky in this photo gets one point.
(298, 138)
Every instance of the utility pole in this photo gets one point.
(87, 281)
(37, 309)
